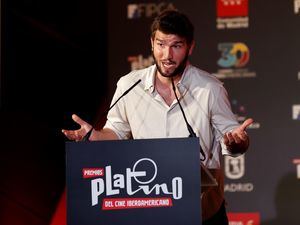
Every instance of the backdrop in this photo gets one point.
(64, 57)
(253, 47)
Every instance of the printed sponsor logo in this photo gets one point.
(244, 218)
(232, 8)
(297, 6)
(234, 170)
(296, 112)
(234, 57)
(139, 62)
(134, 181)
(297, 163)
(232, 14)
(240, 112)
(147, 10)
(235, 167)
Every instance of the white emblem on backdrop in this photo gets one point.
(235, 167)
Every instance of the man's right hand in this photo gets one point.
(77, 135)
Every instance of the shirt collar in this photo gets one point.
(150, 78)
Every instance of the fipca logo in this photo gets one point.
(232, 14)
(234, 170)
(252, 218)
(139, 62)
(134, 181)
(148, 10)
(296, 112)
(297, 6)
(297, 163)
(240, 112)
(234, 58)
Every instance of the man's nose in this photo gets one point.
(168, 53)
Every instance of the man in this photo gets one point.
(151, 110)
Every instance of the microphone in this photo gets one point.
(88, 134)
(190, 129)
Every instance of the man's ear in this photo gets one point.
(152, 43)
(192, 47)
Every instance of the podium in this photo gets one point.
(134, 182)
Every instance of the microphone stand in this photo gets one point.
(88, 134)
(190, 129)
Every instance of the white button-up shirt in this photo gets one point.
(143, 114)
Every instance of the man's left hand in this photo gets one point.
(237, 141)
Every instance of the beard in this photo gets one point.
(177, 71)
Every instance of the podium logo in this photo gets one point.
(148, 10)
(297, 163)
(139, 62)
(296, 112)
(235, 167)
(135, 181)
(297, 6)
(232, 14)
(244, 218)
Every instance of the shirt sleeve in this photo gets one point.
(222, 117)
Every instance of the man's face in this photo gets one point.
(170, 53)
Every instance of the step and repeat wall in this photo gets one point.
(254, 48)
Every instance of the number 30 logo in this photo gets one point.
(233, 55)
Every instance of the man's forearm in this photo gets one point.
(104, 134)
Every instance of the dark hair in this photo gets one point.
(173, 22)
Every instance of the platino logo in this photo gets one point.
(134, 181)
